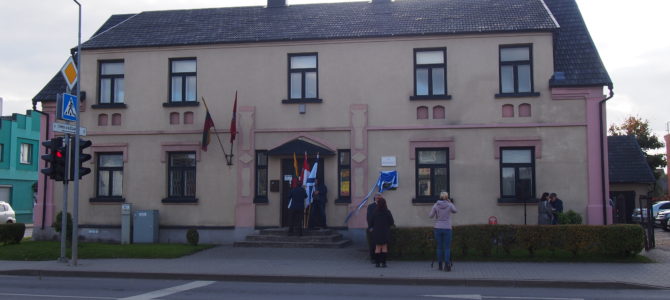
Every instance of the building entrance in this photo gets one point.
(287, 173)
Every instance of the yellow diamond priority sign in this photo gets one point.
(69, 72)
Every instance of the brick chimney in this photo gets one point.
(276, 3)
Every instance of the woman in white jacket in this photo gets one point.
(442, 211)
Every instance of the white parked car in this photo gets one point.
(7, 214)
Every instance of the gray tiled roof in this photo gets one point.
(574, 52)
(627, 163)
(50, 91)
(324, 21)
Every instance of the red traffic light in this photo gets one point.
(59, 154)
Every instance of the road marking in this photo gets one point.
(170, 291)
(55, 296)
(480, 297)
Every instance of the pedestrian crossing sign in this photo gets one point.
(68, 108)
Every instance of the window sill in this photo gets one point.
(302, 101)
(261, 200)
(343, 200)
(517, 95)
(180, 200)
(516, 201)
(431, 97)
(109, 105)
(107, 200)
(181, 104)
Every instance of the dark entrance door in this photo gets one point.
(288, 171)
(624, 204)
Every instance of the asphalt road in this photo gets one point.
(28, 288)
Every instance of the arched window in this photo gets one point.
(508, 111)
(103, 120)
(116, 119)
(422, 112)
(438, 112)
(174, 118)
(524, 110)
(188, 117)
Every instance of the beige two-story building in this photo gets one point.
(494, 101)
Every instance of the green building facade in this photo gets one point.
(19, 161)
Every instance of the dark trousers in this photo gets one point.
(295, 221)
(317, 214)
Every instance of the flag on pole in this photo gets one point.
(305, 170)
(311, 181)
(295, 166)
(233, 122)
(209, 123)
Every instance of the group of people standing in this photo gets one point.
(548, 209)
(380, 220)
(316, 212)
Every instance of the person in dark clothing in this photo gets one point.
(317, 216)
(556, 207)
(368, 233)
(296, 209)
(382, 220)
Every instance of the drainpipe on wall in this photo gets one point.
(603, 136)
(44, 196)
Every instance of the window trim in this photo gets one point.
(100, 169)
(2, 152)
(302, 71)
(113, 102)
(433, 198)
(180, 198)
(258, 168)
(431, 95)
(514, 199)
(29, 156)
(515, 64)
(340, 167)
(183, 75)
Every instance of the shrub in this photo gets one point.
(192, 236)
(12, 233)
(569, 217)
(57, 225)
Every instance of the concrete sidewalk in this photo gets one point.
(350, 265)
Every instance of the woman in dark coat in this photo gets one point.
(381, 223)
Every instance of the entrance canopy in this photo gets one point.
(299, 147)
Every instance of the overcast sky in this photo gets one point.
(631, 36)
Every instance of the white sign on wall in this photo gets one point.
(388, 161)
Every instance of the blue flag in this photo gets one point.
(387, 180)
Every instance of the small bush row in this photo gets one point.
(624, 240)
(12, 233)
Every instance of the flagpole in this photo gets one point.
(217, 135)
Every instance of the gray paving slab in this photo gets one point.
(350, 265)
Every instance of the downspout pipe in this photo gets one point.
(603, 136)
(44, 196)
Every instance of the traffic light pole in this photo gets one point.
(75, 203)
(63, 218)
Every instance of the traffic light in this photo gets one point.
(83, 157)
(56, 159)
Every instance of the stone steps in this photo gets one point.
(279, 238)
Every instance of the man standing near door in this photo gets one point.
(318, 213)
(296, 207)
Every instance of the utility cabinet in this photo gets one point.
(145, 226)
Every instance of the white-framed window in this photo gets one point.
(26, 154)
(110, 175)
(517, 174)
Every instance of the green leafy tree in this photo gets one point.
(647, 140)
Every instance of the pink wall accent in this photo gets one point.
(533, 141)
(174, 118)
(596, 203)
(44, 203)
(358, 120)
(524, 110)
(438, 112)
(667, 154)
(444, 143)
(95, 148)
(103, 120)
(422, 112)
(188, 117)
(245, 210)
(508, 111)
(116, 119)
(174, 147)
